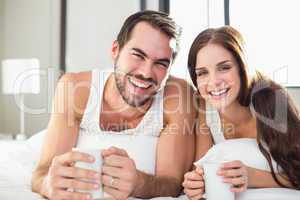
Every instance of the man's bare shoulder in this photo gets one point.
(76, 87)
(76, 77)
(179, 96)
(176, 85)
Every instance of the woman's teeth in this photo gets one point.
(139, 84)
(218, 93)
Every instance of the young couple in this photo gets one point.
(144, 120)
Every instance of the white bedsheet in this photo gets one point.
(17, 160)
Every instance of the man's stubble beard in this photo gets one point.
(120, 83)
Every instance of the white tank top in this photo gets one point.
(140, 142)
(213, 121)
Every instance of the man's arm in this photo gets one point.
(176, 145)
(161, 186)
(62, 129)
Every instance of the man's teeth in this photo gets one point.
(139, 84)
(218, 93)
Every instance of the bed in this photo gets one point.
(18, 159)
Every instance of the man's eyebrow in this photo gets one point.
(167, 60)
(140, 51)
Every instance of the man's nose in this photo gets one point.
(146, 69)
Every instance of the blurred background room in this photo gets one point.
(61, 36)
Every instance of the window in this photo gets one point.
(272, 35)
(193, 16)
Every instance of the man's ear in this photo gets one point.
(114, 50)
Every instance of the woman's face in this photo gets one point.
(217, 76)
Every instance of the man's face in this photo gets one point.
(142, 65)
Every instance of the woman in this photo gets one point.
(217, 68)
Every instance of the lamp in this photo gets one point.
(18, 79)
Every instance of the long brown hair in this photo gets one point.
(278, 128)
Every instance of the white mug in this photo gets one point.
(215, 188)
(96, 166)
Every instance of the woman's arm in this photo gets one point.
(242, 177)
(204, 139)
(193, 181)
(264, 179)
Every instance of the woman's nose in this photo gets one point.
(214, 80)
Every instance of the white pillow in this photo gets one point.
(35, 142)
(245, 150)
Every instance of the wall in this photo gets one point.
(30, 30)
(192, 18)
(92, 26)
(294, 92)
(152, 4)
(1, 55)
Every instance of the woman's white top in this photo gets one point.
(213, 121)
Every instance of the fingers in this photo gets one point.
(231, 173)
(231, 170)
(106, 181)
(199, 170)
(192, 181)
(239, 184)
(232, 164)
(118, 184)
(194, 194)
(194, 184)
(238, 189)
(113, 172)
(123, 170)
(71, 157)
(114, 150)
(197, 197)
(119, 167)
(62, 194)
(236, 174)
(193, 176)
(72, 172)
(63, 175)
(237, 181)
(115, 160)
(75, 184)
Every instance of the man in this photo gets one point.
(142, 54)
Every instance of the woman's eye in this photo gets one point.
(201, 73)
(224, 67)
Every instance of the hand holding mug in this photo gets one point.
(63, 175)
(236, 174)
(194, 184)
(119, 173)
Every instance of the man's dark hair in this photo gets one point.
(158, 20)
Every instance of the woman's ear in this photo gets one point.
(114, 50)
